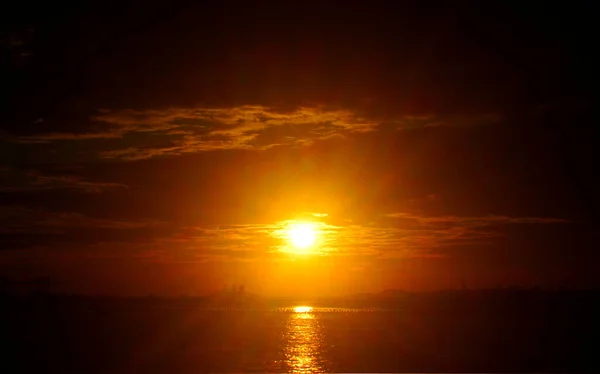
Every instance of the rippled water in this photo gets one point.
(298, 340)
(304, 342)
(303, 339)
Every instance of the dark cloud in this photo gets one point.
(173, 132)
(23, 180)
(24, 228)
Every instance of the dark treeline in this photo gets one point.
(45, 290)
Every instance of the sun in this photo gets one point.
(302, 235)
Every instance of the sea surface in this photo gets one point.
(299, 339)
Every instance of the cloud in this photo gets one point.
(25, 228)
(473, 221)
(246, 127)
(431, 237)
(71, 182)
(21, 217)
(187, 130)
(48, 138)
(408, 122)
(393, 236)
(34, 180)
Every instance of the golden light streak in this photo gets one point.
(303, 309)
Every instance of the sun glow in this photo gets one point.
(303, 309)
(302, 235)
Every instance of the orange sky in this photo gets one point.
(153, 150)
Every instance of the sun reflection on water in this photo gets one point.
(303, 309)
(304, 342)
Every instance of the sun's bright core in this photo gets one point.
(302, 235)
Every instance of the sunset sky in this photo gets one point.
(169, 149)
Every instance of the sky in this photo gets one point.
(167, 149)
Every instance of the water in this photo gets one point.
(114, 339)
(294, 340)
